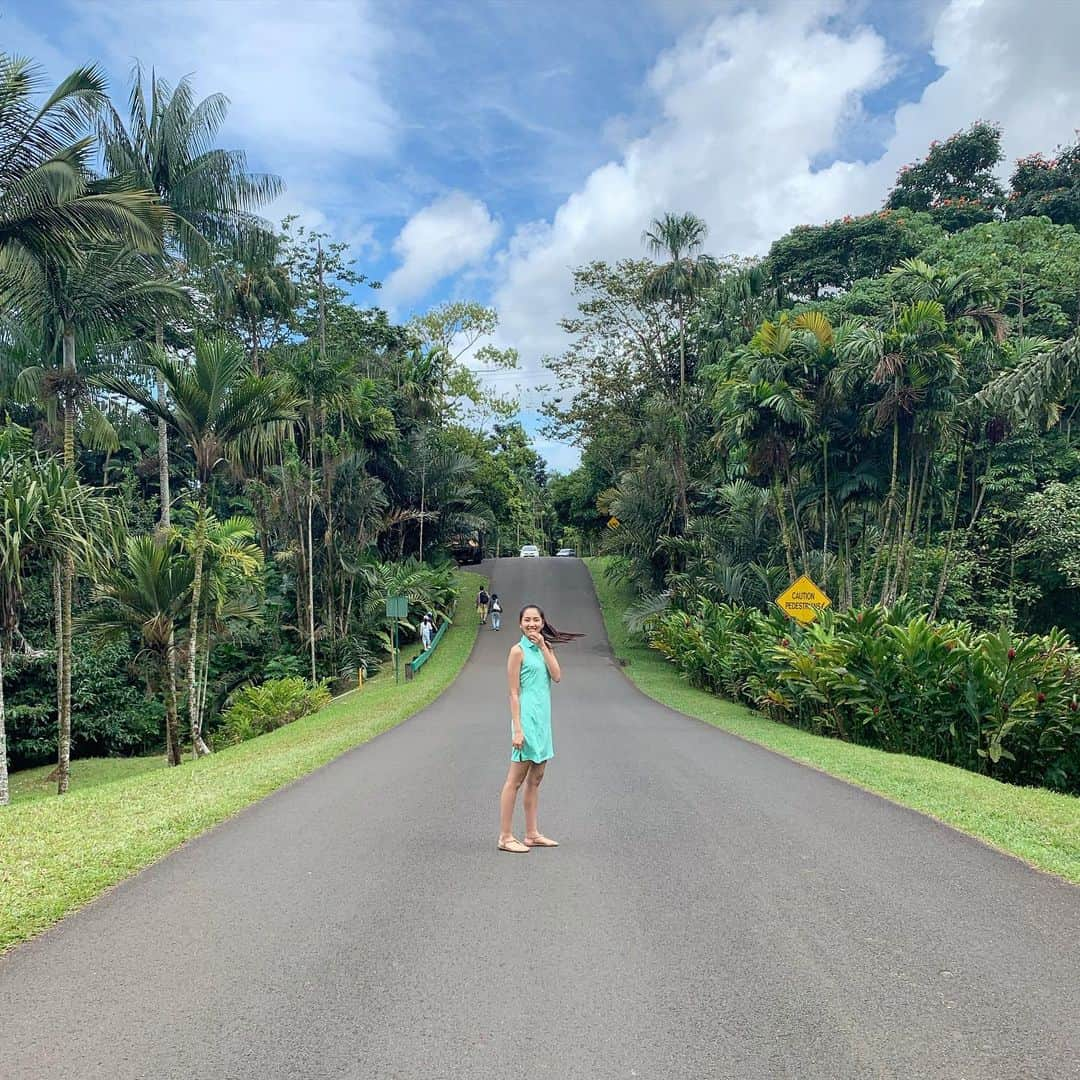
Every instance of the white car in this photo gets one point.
(530, 551)
(566, 553)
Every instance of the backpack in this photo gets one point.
(483, 598)
(496, 606)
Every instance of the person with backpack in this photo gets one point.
(482, 602)
(496, 611)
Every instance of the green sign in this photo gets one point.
(397, 607)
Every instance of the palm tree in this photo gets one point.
(679, 281)
(91, 297)
(167, 145)
(147, 592)
(45, 511)
(21, 499)
(685, 275)
(232, 563)
(215, 403)
(912, 368)
(50, 206)
(252, 292)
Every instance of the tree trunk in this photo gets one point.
(198, 746)
(58, 632)
(253, 331)
(885, 543)
(682, 347)
(172, 720)
(943, 579)
(311, 557)
(329, 537)
(778, 500)
(301, 573)
(799, 535)
(423, 495)
(825, 502)
(63, 741)
(681, 504)
(163, 438)
(69, 398)
(204, 684)
(64, 751)
(5, 797)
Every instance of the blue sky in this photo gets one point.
(482, 149)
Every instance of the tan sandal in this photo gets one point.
(519, 849)
(540, 841)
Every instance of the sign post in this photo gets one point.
(397, 608)
(802, 600)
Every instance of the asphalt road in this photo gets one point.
(714, 911)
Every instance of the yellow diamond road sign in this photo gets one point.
(613, 522)
(802, 600)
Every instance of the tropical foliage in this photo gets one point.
(886, 403)
(217, 458)
(991, 701)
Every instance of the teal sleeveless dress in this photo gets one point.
(535, 705)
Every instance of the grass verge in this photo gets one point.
(56, 854)
(1041, 827)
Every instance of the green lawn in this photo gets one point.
(1040, 827)
(121, 815)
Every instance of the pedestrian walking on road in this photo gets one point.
(482, 601)
(531, 668)
(496, 612)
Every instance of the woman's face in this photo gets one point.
(532, 621)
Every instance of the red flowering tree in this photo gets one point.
(955, 182)
(1048, 187)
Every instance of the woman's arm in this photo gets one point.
(551, 660)
(513, 678)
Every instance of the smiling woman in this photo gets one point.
(531, 669)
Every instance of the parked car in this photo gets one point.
(530, 551)
(566, 553)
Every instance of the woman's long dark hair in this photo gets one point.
(551, 634)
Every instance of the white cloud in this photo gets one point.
(301, 77)
(745, 106)
(448, 235)
(751, 100)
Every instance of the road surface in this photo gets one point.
(714, 911)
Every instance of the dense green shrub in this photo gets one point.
(111, 714)
(255, 710)
(1000, 703)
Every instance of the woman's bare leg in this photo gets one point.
(531, 800)
(514, 778)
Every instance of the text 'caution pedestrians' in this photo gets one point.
(802, 600)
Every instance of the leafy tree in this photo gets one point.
(147, 593)
(955, 182)
(1047, 187)
(215, 403)
(812, 260)
(1030, 266)
(448, 334)
(257, 297)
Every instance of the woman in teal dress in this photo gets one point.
(531, 669)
